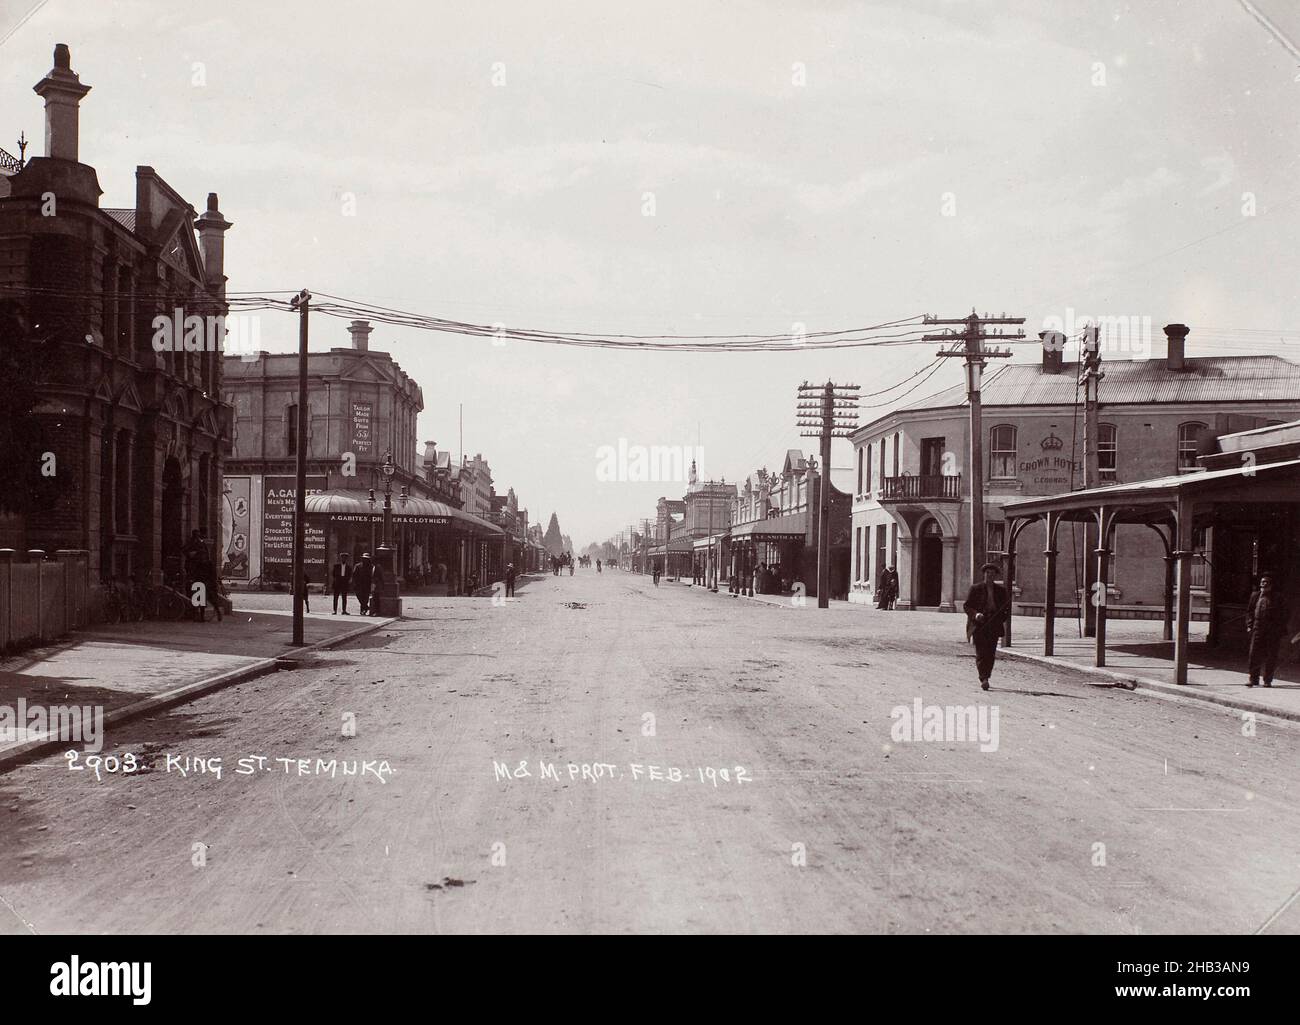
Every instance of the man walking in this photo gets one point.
(1266, 618)
(988, 607)
(892, 601)
(510, 580)
(361, 578)
(340, 581)
(376, 583)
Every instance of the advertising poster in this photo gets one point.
(235, 522)
(277, 531)
(363, 438)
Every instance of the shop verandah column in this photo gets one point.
(1105, 530)
(1049, 588)
(1183, 555)
(948, 598)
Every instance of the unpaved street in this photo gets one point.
(822, 822)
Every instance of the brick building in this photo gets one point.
(912, 501)
(136, 434)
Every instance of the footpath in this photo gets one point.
(130, 669)
(1136, 657)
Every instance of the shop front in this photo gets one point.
(438, 548)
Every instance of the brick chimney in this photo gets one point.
(1053, 351)
(62, 91)
(360, 332)
(1177, 338)
(212, 228)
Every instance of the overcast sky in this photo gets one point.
(1098, 156)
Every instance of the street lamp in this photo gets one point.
(390, 603)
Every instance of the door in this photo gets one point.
(932, 450)
(929, 566)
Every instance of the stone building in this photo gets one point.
(135, 429)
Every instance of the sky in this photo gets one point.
(700, 167)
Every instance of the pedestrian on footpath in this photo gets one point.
(340, 582)
(892, 599)
(1266, 621)
(988, 607)
(306, 590)
(361, 577)
(510, 580)
(655, 572)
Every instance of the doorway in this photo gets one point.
(173, 525)
(929, 565)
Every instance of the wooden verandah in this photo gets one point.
(1172, 507)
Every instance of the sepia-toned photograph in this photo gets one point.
(717, 468)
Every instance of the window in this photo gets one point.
(897, 437)
(1002, 451)
(291, 430)
(997, 538)
(1106, 453)
(880, 550)
(870, 450)
(882, 460)
(858, 550)
(860, 465)
(1188, 435)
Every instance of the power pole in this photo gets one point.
(1090, 377)
(300, 302)
(974, 353)
(826, 411)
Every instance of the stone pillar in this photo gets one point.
(947, 602)
(906, 568)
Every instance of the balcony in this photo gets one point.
(922, 488)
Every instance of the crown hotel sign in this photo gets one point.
(1050, 467)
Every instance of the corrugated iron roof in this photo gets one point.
(1135, 382)
(124, 217)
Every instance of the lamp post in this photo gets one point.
(389, 602)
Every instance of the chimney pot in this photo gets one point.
(1176, 336)
(1053, 351)
(360, 332)
(62, 92)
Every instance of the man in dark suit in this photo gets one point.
(340, 581)
(988, 607)
(361, 577)
(1266, 622)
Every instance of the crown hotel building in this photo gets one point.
(911, 505)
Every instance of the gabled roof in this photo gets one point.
(1134, 382)
(122, 215)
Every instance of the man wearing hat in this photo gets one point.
(361, 576)
(988, 608)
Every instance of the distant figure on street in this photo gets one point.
(362, 575)
(570, 565)
(1266, 621)
(988, 607)
(306, 591)
(654, 572)
(510, 580)
(597, 565)
(340, 582)
(893, 588)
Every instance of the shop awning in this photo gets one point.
(354, 507)
(703, 543)
(677, 547)
(792, 527)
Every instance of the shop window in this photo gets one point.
(1002, 452)
(997, 538)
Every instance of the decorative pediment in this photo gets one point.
(179, 247)
(365, 372)
(174, 406)
(129, 398)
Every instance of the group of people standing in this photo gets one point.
(887, 588)
(558, 562)
(362, 580)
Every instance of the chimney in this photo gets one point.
(1053, 351)
(360, 332)
(1177, 336)
(431, 454)
(212, 228)
(62, 92)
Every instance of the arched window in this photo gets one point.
(861, 463)
(1002, 452)
(1107, 453)
(870, 449)
(1188, 436)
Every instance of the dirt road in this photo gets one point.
(719, 766)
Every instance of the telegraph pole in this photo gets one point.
(1090, 377)
(826, 411)
(300, 302)
(973, 352)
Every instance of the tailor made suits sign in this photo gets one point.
(278, 495)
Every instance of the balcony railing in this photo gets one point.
(921, 487)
